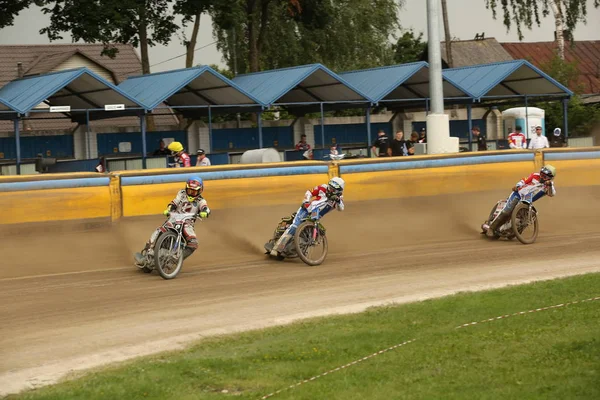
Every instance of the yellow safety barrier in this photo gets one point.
(41, 198)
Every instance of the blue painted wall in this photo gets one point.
(107, 142)
(58, 146)
(459, 129)
(350, 133)
(247, 138)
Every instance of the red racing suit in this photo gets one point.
(517, 140)
(183, 160)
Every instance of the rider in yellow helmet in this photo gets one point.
(182, 159)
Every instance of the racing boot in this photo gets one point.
(140, 259)
(279, 247)
(188, 251)
(500, 220)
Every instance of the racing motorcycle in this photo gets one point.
(167, 255)
(524, 222)
(309, 242)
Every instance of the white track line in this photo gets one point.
(526, 312)
(337, 369)
(410, 341)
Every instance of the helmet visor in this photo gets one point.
(193, 191)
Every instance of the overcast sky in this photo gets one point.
(467, 17)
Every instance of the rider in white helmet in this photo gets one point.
(541, 183)
(326, 197)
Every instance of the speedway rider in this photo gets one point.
(182, 159)
(188, 200)
(540, 183)
(324, 197)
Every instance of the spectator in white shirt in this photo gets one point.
(538, 141)
(202, 160)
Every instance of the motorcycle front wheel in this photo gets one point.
(311, 251)
(168, 257)
(524, 226)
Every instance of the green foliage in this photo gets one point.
(581, 118)
(344, 35)
(527, 12)
(139, 22)
(409, 47)
(9, 9)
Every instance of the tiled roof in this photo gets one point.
(473, 52)
(585, 53)
(125, 64)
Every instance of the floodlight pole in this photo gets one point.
(260, 132)
(438, 124)
(470, 122)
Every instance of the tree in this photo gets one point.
(250, 20)
(409, 48)
(581, 118)
(9, 9)
(142, 23)
(343, 34)
(192, 10)
(567, 14)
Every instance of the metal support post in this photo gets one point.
(143, 129)
(18, 144)
(260, 133)
(470, 120)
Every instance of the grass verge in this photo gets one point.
(549, 354)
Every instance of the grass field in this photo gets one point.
(550, 354)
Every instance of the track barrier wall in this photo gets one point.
(72, 196)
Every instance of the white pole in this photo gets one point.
(435, 57)
(438, 123)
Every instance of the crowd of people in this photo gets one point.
(382, 146)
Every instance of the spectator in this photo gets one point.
(302, 145)
(101, 167)
(517, 139)
(538, 141)
(401, 147)
(202, 160)
(162, 149)
(382, 143)
(481, 144)
(423, 137)
(558, 139)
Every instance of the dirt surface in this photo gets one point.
(70, 297)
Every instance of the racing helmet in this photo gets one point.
(194, 187)
(335, 186)
(547, 173)
(175, 147)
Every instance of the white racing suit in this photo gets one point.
(525, 187)
(313, 199)
(181, 204)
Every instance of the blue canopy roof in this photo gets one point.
(312, 83)
(505, 79)
(198, 86)
(79, 88)
(398, 82)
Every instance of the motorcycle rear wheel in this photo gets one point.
(304, 244)
(167, 266)
(519, 214)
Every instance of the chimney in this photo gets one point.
(20, 71)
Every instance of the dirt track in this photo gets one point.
(70, 297)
